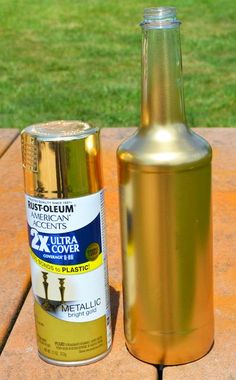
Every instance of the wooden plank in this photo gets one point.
(21, 345)
(220, 363)
(20, 352)
(14, 268)
(7, 136)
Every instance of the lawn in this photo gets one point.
(77, 59)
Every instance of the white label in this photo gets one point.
(68, 258)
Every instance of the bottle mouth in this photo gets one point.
(161, 17)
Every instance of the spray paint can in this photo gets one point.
(65, 215)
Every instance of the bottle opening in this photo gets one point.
(160, 13)
(161, 17)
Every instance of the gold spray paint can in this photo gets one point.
(65, 215)
(165, 207)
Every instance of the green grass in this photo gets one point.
(79, 59)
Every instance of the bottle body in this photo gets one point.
(167, 257)
(165, 207)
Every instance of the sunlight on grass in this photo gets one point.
(81, 60)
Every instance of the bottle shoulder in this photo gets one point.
(166, 147)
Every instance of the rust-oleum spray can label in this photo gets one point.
(65, 215)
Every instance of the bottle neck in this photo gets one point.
(162, 84)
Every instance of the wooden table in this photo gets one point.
(19, 358)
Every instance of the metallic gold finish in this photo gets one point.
(165, 205)
(54, 329)
(61, 159)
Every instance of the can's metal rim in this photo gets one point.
(60, 130)
(74, 363)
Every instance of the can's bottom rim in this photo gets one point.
(74, 363)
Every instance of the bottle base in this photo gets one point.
(172, 349)
(164, 362)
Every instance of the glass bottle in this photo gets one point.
(165, 207)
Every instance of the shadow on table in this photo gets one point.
(115, 301)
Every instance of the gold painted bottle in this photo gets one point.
(165, 205)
